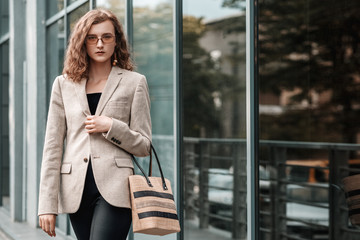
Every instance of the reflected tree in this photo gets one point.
(312, 49)
(198, 82)
(153, 39)
(206, 87)
(116, 6)
(153, 54)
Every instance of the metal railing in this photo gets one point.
(206, 158)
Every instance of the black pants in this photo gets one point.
(96, 219)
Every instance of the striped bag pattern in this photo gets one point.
(152, 202)
(352, 191)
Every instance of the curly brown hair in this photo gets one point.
(77, 60)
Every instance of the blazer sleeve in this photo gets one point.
(134, 138)
(52, 153)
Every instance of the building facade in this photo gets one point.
(254, 108)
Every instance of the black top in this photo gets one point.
(91, 191)
(93, 100)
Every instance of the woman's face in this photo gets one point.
(100, 42)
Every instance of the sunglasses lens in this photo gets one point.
(107, 38)
(91, 40)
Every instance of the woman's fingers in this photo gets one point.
(87, 122)
(47, 223)
(91, 130)
(97, 124)
(89, 126)
(47, 228)
(52, 228)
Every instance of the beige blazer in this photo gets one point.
(68, 147)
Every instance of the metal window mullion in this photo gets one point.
(1, 122)
(25, 152)
(67, 227)
(17, 49)
(252, 120)
(129, 23)
(55, 17)
(178, 114)
(128, 28)
(66, 24)
(92, 4)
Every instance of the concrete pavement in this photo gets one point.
(3, 236)
(10, 230)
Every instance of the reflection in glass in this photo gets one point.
(55, 41)
(4, 16)
(153, 54)
(153, 50)
(69, 2)
(4, 127)
(74, 16)
(53, 7)
(115, 6)
(214, 120)
(309, 100)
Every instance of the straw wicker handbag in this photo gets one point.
(152, 202)
(352, 192)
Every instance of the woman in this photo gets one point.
(102, 109)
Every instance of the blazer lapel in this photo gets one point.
(80, 89)
(113, 81)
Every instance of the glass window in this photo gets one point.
(153, 54)
(53, 7)
(309, 108)
(75, 15)
(214, 85)
(117, 7)
(4, 127)
(69, 2)
(56, 40)
(55, 47)
(4, 17)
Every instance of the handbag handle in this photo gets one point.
(150, 168)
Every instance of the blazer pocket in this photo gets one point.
(118, 110)
(115, 103)
(65, 168)
(123, 162)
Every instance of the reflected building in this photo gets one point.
(225, 41)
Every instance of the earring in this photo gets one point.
(115, 61)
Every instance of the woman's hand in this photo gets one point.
(47, 223)
(98, 124)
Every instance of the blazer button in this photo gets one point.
(85, 159)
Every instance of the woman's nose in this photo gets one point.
(99, 43)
